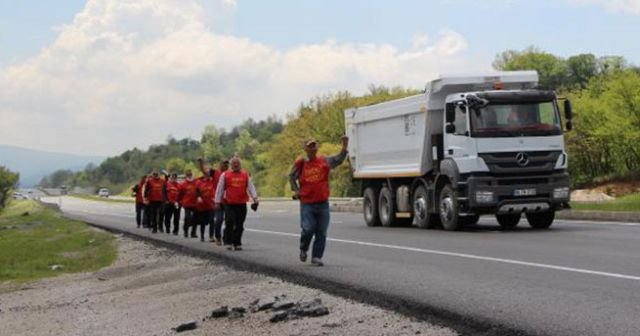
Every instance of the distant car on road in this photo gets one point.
(103, 192)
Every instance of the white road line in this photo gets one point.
(436, 252)
(464, 255)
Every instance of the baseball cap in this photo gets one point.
(310, 141)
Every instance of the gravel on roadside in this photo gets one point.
(150, 291)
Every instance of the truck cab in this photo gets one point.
(505, 152)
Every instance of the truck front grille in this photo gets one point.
(521, 162)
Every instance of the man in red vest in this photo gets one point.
(215, 227)
(187, 198)
(153, 193)
(309, 178)
(205, 190)
(171, 206)
(138, 193)
(234, 188)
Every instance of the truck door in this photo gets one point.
(457, 141)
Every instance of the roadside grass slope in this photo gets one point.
(36, 242)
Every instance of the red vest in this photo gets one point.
(235, 187)
(172, 192)
(187, 194)
(314, 180)
(207, 190)
(155, 189)
(140, 193)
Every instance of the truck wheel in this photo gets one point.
(541, 220)
(386, 207)
(449, 209)
(508, 221)
(423, 218)
(370, 207)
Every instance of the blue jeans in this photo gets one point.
(314, 220)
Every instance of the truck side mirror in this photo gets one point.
(568, 125)
(568, 111)
(568, 114)
(450, 128)
(450, 112)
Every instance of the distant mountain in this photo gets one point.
(33, 165)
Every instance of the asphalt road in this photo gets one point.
(579, 278)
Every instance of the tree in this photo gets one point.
(581, 69)
(210, 143)
(175, 165)
(552, 70)
(8, 181)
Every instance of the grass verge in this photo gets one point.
(102, 199)
(625, 203)
(33, 239)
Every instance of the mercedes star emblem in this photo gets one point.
(522, 159)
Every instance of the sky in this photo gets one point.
(99, 77)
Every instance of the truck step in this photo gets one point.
(403, 215)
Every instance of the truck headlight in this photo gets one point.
(484, 196)
(561, 193)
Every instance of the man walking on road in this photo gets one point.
(309, 178)
(215, 228)
(187, 197)
(234, 188)
(205, 190)
(138, 193)
(153, 193)
(171, 206)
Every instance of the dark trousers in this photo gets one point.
(161, 218)
(189, 217)
(154, 215)
(171, 211)
(235, 215)
(215, 230)
(203, 218)
(314, 221)
(139, 213)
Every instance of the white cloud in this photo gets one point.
(232, 3)
(622, 6)
(127, 73)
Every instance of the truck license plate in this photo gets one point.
(524, 192)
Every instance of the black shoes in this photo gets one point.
(303, 256)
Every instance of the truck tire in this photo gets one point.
(386, 207)
(541, 220)
(449, 209)
(509, 221)
(370, 207)
(423, 218)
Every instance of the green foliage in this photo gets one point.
(606, 136)
(8, 181)
(31, 244)
(556, 72)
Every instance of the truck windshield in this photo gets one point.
(510, 120)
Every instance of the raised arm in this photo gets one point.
(336, 160)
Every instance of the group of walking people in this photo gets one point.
(221, 196)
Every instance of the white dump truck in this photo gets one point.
(469, 145)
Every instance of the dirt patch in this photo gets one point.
(149, 291)
(627, 186)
